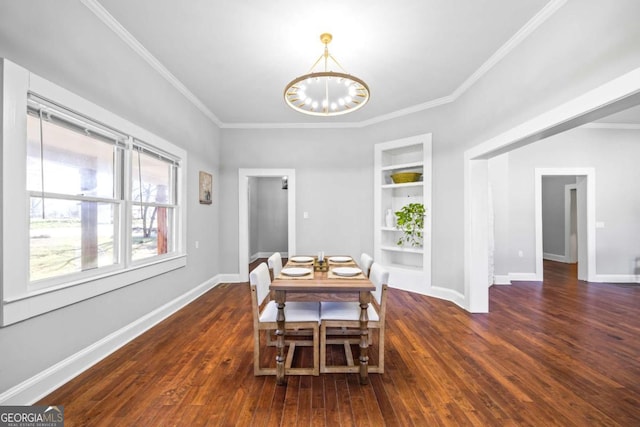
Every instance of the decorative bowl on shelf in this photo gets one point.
(404, 177)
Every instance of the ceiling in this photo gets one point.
(236, 57)
(232, 59)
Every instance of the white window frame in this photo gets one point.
(19, 300)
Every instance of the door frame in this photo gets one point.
(569, 256)
(614, 96)
(587, 243)
(243, 212)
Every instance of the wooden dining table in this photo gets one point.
(322, 284)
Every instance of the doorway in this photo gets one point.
(614, 96)
(565, 212)
(244, 176)
(268, 217)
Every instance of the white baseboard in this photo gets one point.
(43, 383)
(617, 278)
(502, 279)
(524, 277)
(447, 294)
(257, 255)
(228, 278)
(555, 257)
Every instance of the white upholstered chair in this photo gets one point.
(298, 315)
(365, 263)
(275, 264)
(340, 322)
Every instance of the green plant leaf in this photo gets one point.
(410, 220)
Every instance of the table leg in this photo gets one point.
(280, 298)
(364, 337)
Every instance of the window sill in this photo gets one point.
(34, 303)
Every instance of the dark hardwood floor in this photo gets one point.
(563, 353)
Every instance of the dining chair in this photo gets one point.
(340, 320)
(365, 263)
(299, 316)
(275, 264)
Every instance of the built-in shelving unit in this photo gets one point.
(409, 267)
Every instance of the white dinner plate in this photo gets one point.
(346, 271)
(301, 259)
(340, 258)
(296, 271)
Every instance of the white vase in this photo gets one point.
(390, 219)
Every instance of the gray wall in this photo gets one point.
(272, 216)
(253, 216)
(334, 172)
(45, 40)
(268, 227)
(553, 215)
(613, 154)
(499, 184)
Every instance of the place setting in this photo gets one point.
(340, 260)
(298, 267)
(301, 260)
(346, 273)
(296, 273)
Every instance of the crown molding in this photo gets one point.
(615, 126)
(342, 125)
(108, 19)
(524, 32)
(538, 19)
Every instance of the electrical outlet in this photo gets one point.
(520, 253)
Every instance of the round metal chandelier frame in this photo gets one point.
(326, 93)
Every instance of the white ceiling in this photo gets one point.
(236, 57)
(232, 59)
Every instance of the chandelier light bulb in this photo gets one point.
(336, 92)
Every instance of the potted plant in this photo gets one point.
(410, 220)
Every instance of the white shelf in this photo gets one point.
(404, 185)
(405, 267)
(402, 249)
(412, 165)
(410, 267)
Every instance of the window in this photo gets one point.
(90, 201)
(153, 195)
(73, 176)
(76, 172)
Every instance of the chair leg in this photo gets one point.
(381, 350)
(316, 353)
(323, 347)
(292, 344)
(327, 328)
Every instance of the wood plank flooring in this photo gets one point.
(563, 353)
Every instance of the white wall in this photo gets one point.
(613, 154)
(50, 40)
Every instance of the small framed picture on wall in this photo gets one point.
(206, 185)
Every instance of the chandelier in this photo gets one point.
(326, 93)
